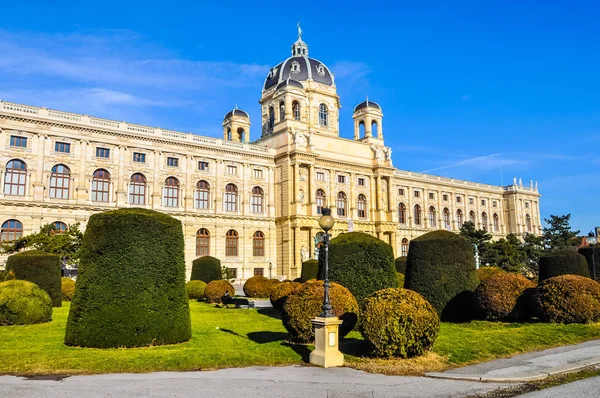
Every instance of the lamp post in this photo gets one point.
(326, 223)
(270, 268)
(592, 241)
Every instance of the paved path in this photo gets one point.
(586, 388)
(532, 366)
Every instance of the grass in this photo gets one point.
(224, 338)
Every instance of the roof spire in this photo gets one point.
(367, 100)
(299, 48)
(299, 31)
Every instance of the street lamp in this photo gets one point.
(270, 268)
(592, 241)
(326, 223)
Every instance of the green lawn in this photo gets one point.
(236, 338)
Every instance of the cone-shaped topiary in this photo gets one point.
(484, 273)
(131, 285)
(588, 252)
(258, 286)
(216, 289)
(398, 323)
(68, 288)
(563, 262)
(281, 292)
(195, 289)
(569, 299)
(206, 269)
(23, 303)
(502, 297)
(305, 302)
(41, 268)
(401, 264)
(310, 270)
(441, 267)
(361, 263)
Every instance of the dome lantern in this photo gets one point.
(236, 126)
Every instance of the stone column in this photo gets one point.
(38, 184)
(189, 184)
(120, 191)
(156, 183)
(82, 184)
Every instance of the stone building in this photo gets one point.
(255, 205)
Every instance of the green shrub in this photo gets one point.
(398, 323)
(587, 252)
(563, 262)
(569, 299)
(68, 288)
(361, 263)
(41, 268)
(216, 289)
(484, 273)
(206, 269)
(6, 276)
(23, 303)
(305, 302)
(441, 267)
(195, 289)
(281, 292)
(401, 264)
(131, 285)
(310, 270)
(258, 286)
(400, 278)
(501, 297)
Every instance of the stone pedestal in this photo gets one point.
(326, 352)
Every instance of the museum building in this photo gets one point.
(254, 205)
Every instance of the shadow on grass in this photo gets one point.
(231, 332)
(302, 350)
(266, 337)
(354, 347)
(270, 312)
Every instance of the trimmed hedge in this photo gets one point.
(23, 303)
(216, 289)
(305, 302)
(398, 323)
(131, 285)
(361, 263)
(401, 264)
(563, 262)
(206, 269)
(68, 288)
(441, 268)
(280, 293)
(502, 297)
(587, 252)
(484, 273)
(195, 289)
(310, 270)
(400, 278)
(258, 286)
(569, 299)
(41, 268)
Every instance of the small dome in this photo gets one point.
(289, 82)
(237, 112)
(367, 104)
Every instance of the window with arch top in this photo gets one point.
(281, 111)
(202, 242)
(256, 200)
(231, 196)
(296, 110)
(472, 218)
(459, 218)
(271, 121)
(323, 115)
(375, 128)
(258, 244)
(431, 217)
(528, 222)
(231, 243)
(417, 215)
(59, 227)
(11, 230)
(362, 206)
(137, 189)
(446, 217)
(341, 204)
(60, 180)
(484, 221)
(171, 192)
(321, 201)
(100, 186)
(404, 247)
(496, 221)
(15, 177)
(202, 195)
(402, 213)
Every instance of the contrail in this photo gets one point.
(462, 162)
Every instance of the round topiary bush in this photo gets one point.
(305, 302)
(41, 268)
(206, 269)
(484, 273)
(502, 297)
(68, 288)
(195, 289)
(401, 264)
(569, 299)
(258, 286)
(23, 303)
(216, 289)
(361, 263)
(587, 252)
(131, 285)
(281, 292)
(441, 268)
(310, 270)
(563, 262)
(398, 323)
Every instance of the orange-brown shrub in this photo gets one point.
(501, 297)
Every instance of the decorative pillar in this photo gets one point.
(81, 190)
(120, 191)
(38, 184)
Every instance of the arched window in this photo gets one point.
(231, 243)
(374, 129)
(229, 134)
(296, 110)
(11, 230)
(171, 192)
(202, 195)
(341, 204)
(402, 213)
(14, 179)
(60, 179)
(484, 221)
(472, 217)
(137, 189)
(258, 244)
(59, 227)
(241, 134)
(431, 217)
(256, 200)
(459, 218)
(321, 201)
(417, 215)
(446, 216)
(496, 222)
(362, 206)
(231, 196)
(202, 242)
(361, 128)
(271, 121)
(404, 247)
(281, 111)
(323, 115)
(100, 185)
(528, 222)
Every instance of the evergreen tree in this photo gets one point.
(532, 248)
(558, 234)
(476, 236)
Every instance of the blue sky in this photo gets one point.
(465, 86)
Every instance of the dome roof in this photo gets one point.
(236, 112)
(289, 82)
(367, 104)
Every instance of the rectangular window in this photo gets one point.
(231, 170)
(139, 157)
(401, 191)
(203, 166)
(417, 194)
(18, 141)
(172, 162)
(257, 173)
(342, 179)
(527, 205)
(232, 273)
(102, 153)
(445, 198)
(495, 204)
(361, 182)
(458, 199)
(471, 201)
(320, 176)
(63, 147)
(431, 195)
(483, 202)
(259, 272)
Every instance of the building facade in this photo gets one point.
(254, 205)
